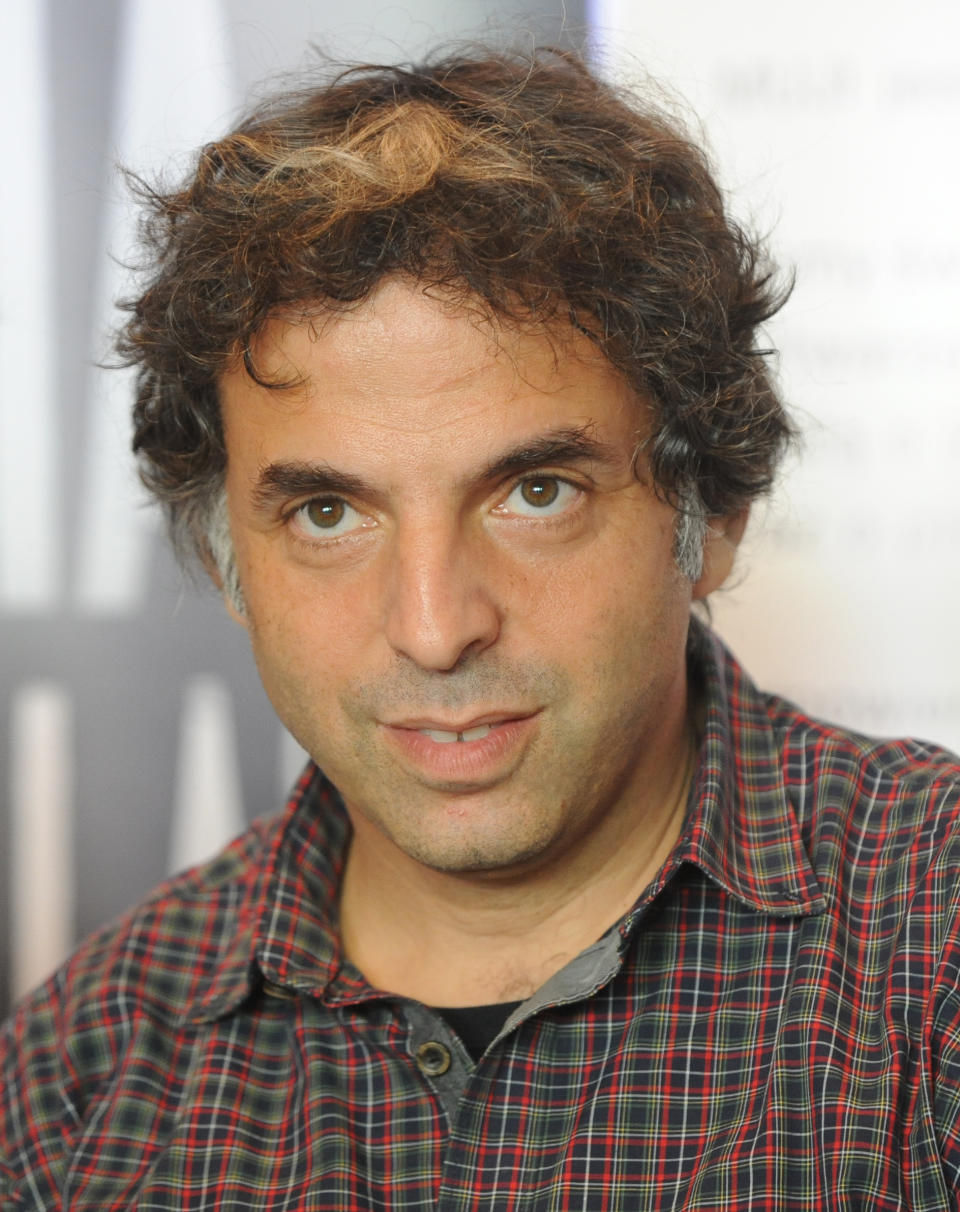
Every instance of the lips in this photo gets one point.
(427, 723)
(472, 752)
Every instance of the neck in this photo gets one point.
(471, 938)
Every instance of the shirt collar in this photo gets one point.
(741, 831)
(289, 941)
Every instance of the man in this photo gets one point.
(450, 377)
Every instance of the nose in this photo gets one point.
(439, 603)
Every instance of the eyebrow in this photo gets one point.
(280, 481)
(571, 445)
(296, 478)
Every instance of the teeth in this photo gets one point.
(444, 738)
(474, 734)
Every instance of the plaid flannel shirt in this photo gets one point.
(774, 1024)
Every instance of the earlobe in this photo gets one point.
(232, 594)
(234, 608)
(720, 551)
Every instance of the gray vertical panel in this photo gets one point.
(5, 834)
(82, 52)
(125, 676)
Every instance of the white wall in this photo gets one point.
(836, 127)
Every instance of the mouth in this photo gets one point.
(442, 737)
(469, 750)
(472, 728)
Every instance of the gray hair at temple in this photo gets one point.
(522, 185)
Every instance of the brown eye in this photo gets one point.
(541, 497)
(328, 518)
(325, 513)
(540, 492)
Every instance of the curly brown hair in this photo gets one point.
(523, 183)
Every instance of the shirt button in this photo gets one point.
(433, 1058)
(273, 990)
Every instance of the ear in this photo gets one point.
(719, 551)
(232, 601)
(233, 608)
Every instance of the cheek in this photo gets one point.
(619, 583)
(307, 641)
(636, 633)
(320, 642)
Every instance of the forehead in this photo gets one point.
(405, 365)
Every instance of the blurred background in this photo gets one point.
(134, 735)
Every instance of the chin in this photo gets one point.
(474, 855)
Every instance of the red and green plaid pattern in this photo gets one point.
(776, 1024)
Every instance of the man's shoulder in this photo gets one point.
(877, 812)
(157, 957)
(906, 766)
(765, 734)
(130, 994)
(877, 800)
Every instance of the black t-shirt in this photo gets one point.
(477, 1026)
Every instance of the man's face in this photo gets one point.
(461, 598)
